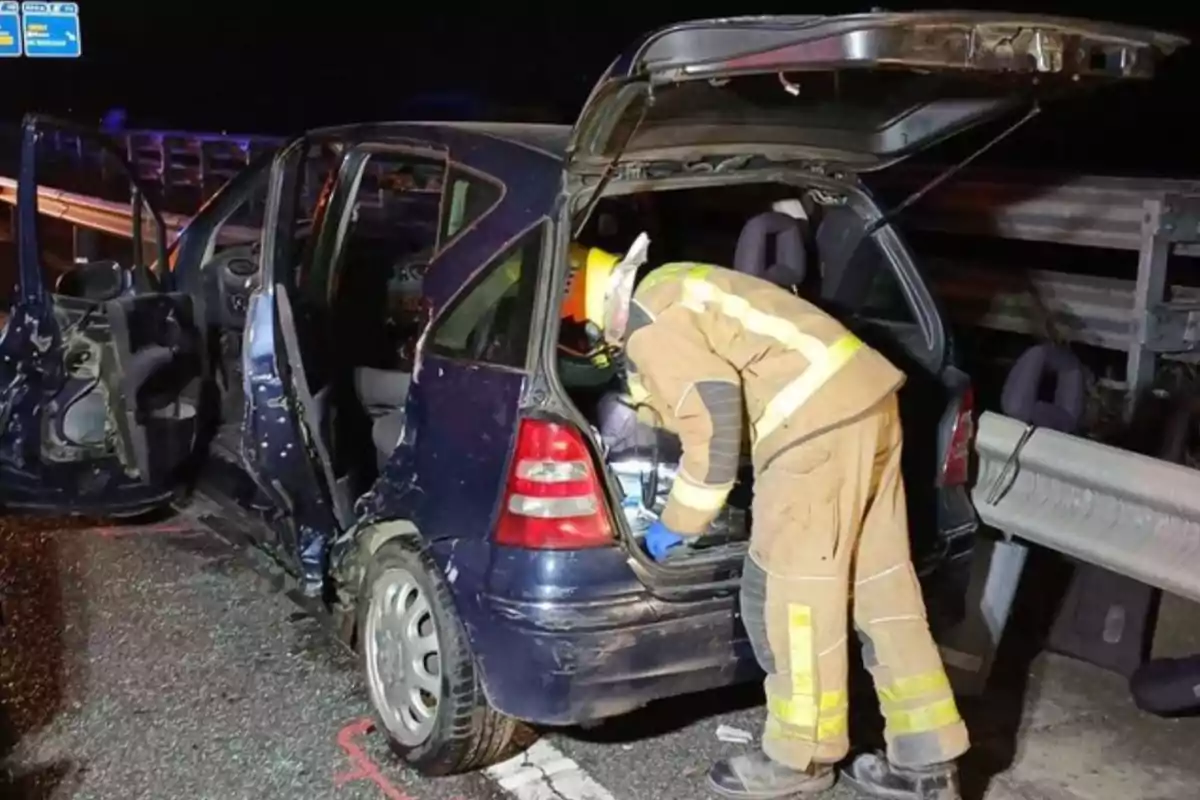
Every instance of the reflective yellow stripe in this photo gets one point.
(698, 294)
(800, 652)
(799, 712)
(832, 728)
(912, 687)
(823, 362)
(679, 271)
(940, 714)
(799, 391)
(827, 730)
(700, 498)
(823, 715)
(832, 701)
(922, 718)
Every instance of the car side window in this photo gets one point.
(490, 321)
(243, 225)
(865, 283)
(388, 223)
(883, 296)
(469, 198)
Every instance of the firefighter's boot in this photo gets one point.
(874, 777)
(754, 776)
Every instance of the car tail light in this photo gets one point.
(554, 500)
(956, 463)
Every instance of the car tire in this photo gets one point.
(462, 732)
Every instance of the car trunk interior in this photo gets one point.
(718, 225)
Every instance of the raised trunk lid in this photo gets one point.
(861, 90)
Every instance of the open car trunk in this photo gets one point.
(875, 293)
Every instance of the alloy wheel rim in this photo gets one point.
(403, 657)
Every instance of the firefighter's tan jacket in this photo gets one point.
(725, 358)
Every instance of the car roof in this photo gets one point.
(548, 139)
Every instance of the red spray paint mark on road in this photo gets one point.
(362, 767)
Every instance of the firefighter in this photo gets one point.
(710, 349)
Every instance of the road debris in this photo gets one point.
(732, 735)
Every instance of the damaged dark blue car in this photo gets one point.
(353, 357)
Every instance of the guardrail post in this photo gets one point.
(1149, 291)
(969, 649)
(1162, 325)
(83, 244)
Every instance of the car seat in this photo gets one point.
(383, 394)
(1021, 397)
(841, 255)
(771, 246)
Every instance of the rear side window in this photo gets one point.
(880, 296)
(470, 197)
(857, 273)
(490, 322)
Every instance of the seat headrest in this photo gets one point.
(1021, 396)
(784, 264)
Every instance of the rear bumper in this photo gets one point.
(561, 664)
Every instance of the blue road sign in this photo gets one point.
(51, 30)
(10, 29)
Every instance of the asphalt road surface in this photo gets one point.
(156, 662)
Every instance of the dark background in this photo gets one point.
(274, 67)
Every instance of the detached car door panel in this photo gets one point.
(101, 387)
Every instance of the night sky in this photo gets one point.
(277, 67)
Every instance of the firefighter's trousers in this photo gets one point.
(831, 529)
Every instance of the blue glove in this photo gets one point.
(660, 540)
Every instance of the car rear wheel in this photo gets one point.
(419, 668)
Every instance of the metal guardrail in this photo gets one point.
(90, 212)
(1130, 513)
(1087, 309)
(172, 159)
(110, 217)
(1081, 210)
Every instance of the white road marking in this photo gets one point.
(543, 772)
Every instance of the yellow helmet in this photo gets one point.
(581, 336)
(591, 269)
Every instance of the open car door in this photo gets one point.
(102, 368)
(857, 92)
(325, 385)
(282, 446)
